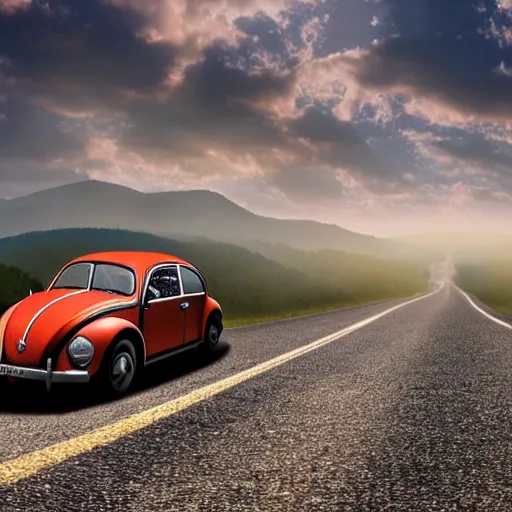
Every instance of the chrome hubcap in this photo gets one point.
(123, 370)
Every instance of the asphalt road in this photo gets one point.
(411, 412)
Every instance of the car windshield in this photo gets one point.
(106, 277)
(75, 276)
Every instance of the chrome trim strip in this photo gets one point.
(44, 308)
(172, 353)
(182, 289)
(71, 376)
(165, 299)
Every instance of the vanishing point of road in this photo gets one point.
(411, 411)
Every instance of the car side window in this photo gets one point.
(163, 283)
(191, 281)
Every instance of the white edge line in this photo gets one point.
(480, 310)
(327, 339)
(342, 309)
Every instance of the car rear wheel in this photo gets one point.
(212, 334)
(120, 368)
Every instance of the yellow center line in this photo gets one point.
(28, 464)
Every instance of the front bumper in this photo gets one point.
(47, 375)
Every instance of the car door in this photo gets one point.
(164, 320)
(194, 299)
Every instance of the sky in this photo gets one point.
(386, 117)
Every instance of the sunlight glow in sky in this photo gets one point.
(382, 116)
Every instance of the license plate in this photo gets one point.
(13, 372)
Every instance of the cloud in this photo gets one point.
(428, 19)
(432, 60)
(313, 100)
(429, 73)
(192, 105)
(476, 168)
(14, 171)
(20, 177)
(216, 106)
(307, 184)
(477, 151)
(81, 54)
(223, 128)
(13, 5)
(339, 144)
(31, 132)
(444, 61)
(196, 25)
(472, 153)
(492, 196)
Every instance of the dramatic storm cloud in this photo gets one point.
(381, 115)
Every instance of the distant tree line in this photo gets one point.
(247, 283)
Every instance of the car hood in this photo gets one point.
(42, 319)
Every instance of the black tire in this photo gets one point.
(119, 368)
(212, 333)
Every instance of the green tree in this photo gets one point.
(15, 285)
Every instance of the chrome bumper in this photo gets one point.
(47, 375)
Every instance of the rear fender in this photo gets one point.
(102, 333)
(211, 307)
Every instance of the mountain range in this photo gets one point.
(177, 214)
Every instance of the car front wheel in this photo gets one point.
(120, 367)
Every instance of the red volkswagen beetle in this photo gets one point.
(107, 315)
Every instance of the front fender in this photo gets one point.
(101, 333)
(4, 318)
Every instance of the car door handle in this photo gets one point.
(184, 305)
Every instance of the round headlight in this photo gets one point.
(81, 351)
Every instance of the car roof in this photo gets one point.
(139, 260)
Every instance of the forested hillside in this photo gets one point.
(248, 285)
(15, 285)
(358, 275)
